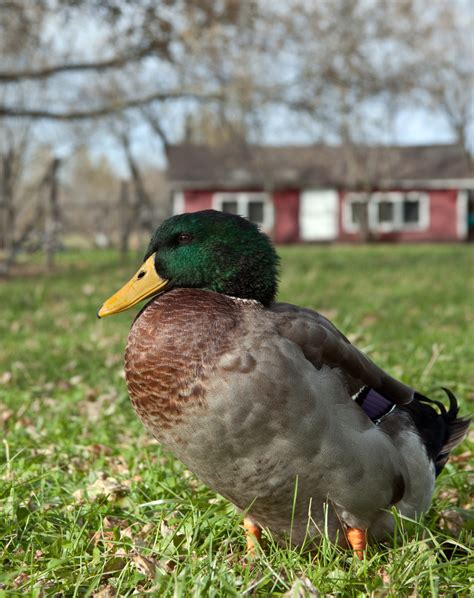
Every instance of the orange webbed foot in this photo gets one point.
(357, 538)
(253, 534)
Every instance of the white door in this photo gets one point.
(319, 215)
(178, 202)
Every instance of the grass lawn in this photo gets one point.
(90, 504)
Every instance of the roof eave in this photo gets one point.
(232, 185)
(183, 185)
(458, 183)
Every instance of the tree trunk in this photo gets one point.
(365, 232)
(125, 218)
(142, 211)
(53, 220)
(7, 205)
(143, 202)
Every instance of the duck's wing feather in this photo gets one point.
(323, 344)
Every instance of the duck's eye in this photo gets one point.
(184, 238)
(141, 274)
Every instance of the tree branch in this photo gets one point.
(100, 65)
(106, 110)
(157, 127)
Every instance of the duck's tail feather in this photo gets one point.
(457, 430)
(441, 431)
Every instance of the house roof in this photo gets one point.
(237, 166)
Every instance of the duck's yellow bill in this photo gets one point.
(145, 283)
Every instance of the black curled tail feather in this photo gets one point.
(441, 431)
(457, 430)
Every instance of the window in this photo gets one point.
(355, 211)
(255, 211)
(358, 209)
(230, 206)
(385, 211)
(391, 211)
(257, 207)
(411, 211)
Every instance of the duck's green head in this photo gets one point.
(203, 250)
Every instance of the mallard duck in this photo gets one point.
(268, 403)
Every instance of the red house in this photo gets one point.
(304, 194)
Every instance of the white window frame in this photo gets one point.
(243, 199)
(462, 213)
(396, 198)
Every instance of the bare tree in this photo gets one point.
(89, 210)
(447, 86)
(218, 72)
(143, 205)
(25, 203)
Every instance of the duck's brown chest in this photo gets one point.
(173, 347)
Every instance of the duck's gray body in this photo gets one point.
(258, 403)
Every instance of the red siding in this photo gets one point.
(197, 200)
(286, 204)
(286, 225)
(441, 227)
(443, 215)
(442, 220)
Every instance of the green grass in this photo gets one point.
(78, 472)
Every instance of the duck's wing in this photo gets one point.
(323, 344)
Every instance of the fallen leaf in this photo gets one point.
(165, 530)
(99, 449)
(44, 451)
(117, 465)
(111, 522)
(21, 579)
(127, 533)
(103, 537)
(450, 495)
(15, 326)
(330, 314)
(113, 359)
(462, 458)
(147, 529)
(214, 501)
(88, 289)
(5, 413)
(107, 591)
(144, 565)
(452, 521)
(168, 565)
(103, 486)
(63, 385)
(369, 319)
(6, 377)
(385, 577)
